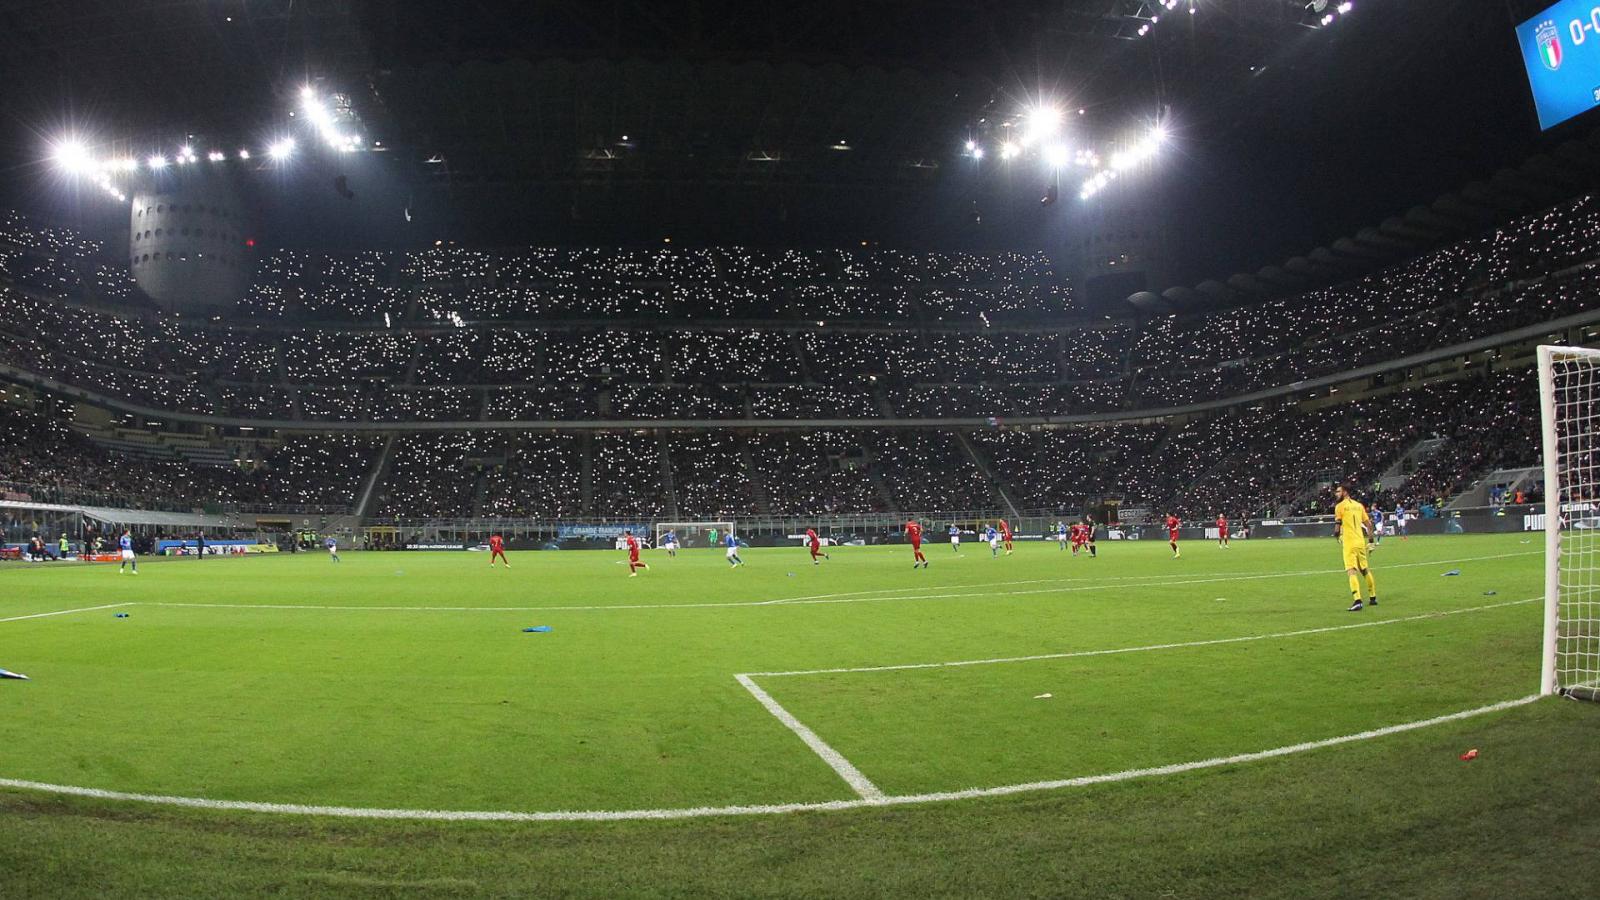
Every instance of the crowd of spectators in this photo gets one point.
(668, 283)
(44, 460)
(1535, 269)
(805, 472)
(646, 335)
(1268, 460)
(824, 333)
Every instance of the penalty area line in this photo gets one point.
(835, 760)
(1211, 642)
(445, 815)
(67, 612)
(953, 592)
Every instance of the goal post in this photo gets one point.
(694, 534)
(1569, 413)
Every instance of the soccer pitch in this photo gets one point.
(403, 685)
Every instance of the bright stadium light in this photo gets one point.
(156, 162)
(282, 149)
(216, 156)
(243, 153)
(72, 157)
(1042, 122)
(1008, 150)
(1345, 7)
(126, 164)
(971, 145)
(977, 153)
(1057, 155)
(308, 93)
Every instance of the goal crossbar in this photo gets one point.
(694, 534)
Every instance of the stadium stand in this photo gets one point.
(460, 335)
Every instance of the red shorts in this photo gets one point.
(1172, 535)
(1223, 533)
(633, 556)
(815, 548)
(916, 545)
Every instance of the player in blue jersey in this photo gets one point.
(1061, 535)
(669, 543)
(126, 544)
(993, 537)
(955, 538)
(333, 547)
(734, 561)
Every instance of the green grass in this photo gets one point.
(630, 703)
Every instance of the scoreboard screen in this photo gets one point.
(1561, 50)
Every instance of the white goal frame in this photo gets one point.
(1578, 577)
(723, 527)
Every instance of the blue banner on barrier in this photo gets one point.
(600, 532)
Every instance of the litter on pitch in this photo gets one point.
(7, 673)
(122, 615)
(540, 629)
(1451, 572)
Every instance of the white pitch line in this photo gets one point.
(1154, 580)
(1214, 762)
(958, 591)
(1147, 647)
(351, 812)
(64, 612)
(869, 793)
(835, 760)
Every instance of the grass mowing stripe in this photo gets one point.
(773, 809)
(847, 597)
(1173, 646)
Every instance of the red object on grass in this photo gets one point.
(1470, 754)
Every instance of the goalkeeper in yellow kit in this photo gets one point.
(1352, 526)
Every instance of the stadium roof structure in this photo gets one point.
(711, 121)
(1567, 169)
(128, 516)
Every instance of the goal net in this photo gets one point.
(1569, 397)
(693, 534)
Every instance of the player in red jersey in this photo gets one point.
(1005, 536)
(1075, 535)
(914, 534)
(634, 565)
(497, 550)
(1085, 537)
(814, 544)
(1222, 531)
(1172, 534)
